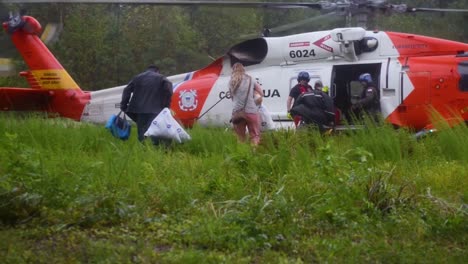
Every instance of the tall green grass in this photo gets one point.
(70, 192)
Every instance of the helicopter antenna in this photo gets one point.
(266, 32)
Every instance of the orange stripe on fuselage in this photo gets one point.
(416, 45)
(197, 89)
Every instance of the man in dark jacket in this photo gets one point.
(316, 108)
(144, 97)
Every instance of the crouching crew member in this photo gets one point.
(316, 108)
(301, 87)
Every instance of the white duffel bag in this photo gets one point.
(266, 121)
(165, 126)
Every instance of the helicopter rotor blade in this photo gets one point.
(292, 25)
(322, 5)
(319, 5)
(181, 3)
(424, 9)
(300, 23)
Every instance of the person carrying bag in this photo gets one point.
(240, 115)
(245, 111)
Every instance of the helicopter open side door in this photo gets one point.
(346, 87)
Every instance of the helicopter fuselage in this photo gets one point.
(417, 77)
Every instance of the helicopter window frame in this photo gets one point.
(463, 72)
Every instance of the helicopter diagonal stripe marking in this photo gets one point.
(174, 87)
(189, 76)
(320, 43)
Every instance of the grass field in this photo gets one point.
(70, 192)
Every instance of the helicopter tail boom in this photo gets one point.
(52, 89)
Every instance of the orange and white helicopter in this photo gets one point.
(414, 74)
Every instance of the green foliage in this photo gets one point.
(384, 197)
(71, 192)
(219, 28)
(15, 81)
(21, 173)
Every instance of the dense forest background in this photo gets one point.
(104, 45)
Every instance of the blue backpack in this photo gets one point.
(119, 126)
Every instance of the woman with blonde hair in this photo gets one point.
(245, 110)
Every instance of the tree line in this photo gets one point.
(104, 45)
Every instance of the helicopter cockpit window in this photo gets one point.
(249, 52)
(367, 44)
(463, 71)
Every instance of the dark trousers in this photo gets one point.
(143, 121)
